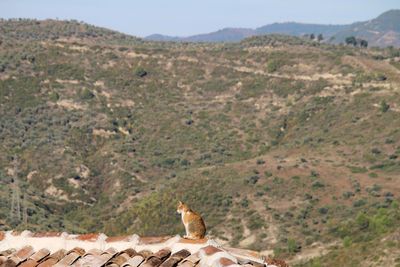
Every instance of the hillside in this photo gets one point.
(382, 31)
(285, 146)
(238, 34)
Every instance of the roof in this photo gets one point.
(27, 249)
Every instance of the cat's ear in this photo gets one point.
(180, 202)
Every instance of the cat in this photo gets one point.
(194, 224)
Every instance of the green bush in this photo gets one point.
(86, 94)
(293, 246)
(140, 72)
(384, 107)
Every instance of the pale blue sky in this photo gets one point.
(188, 17)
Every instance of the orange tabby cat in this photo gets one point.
(194, 224)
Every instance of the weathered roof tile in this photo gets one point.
(99, 250)
(134, 262)
(53, 258)
(40, 255)
(153, 240)
(130, 251)
(190, 261)
(175, 258)
(226, 262)
(210, 250)
(69, 259)
(20, 256)
(35, 258)
(119, 259)
(7, 252)
(157, 258)
(3, 259)
(88, 237)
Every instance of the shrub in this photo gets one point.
(384, 107)
(273, 65)
(140, 72)
(293, 246)
(54, 97)
(317, 184)
(362, 221)
(323, 210)
(86, 94)
(260, 162)
(359, 203)
(347, 241)
(253, 179)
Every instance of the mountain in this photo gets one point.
(285, 146)
(382, 31)
(300, 29)
(224, 35)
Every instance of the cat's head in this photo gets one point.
(182, 207)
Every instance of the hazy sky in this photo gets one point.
(187, 17)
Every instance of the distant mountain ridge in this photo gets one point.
(382, 31)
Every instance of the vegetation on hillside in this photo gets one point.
(281, 143)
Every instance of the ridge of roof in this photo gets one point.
(27, 246)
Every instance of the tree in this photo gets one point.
(312, 36)
(351, 40)
(364, 43)
(320, 37)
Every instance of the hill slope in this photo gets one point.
(284, 146)
(382, 31)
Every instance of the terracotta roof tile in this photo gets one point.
(119, 259)
(47, 234)
(175, 258)
(157, 258)
(77, 250)
(93, 251)
(53, 258)
(20, 256)
(153, 240)
(7, 252)
(145, 253)
(111, 251)
(190, 261)
(33, 249)
(88, 237)
(69, 259)
(29, 263)
(226, 262)
(134, 262)
(3, 259)
(210, 250)
(9, 263)
(117, 238)
(35, 258)
(40, 255)
(130, 251)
